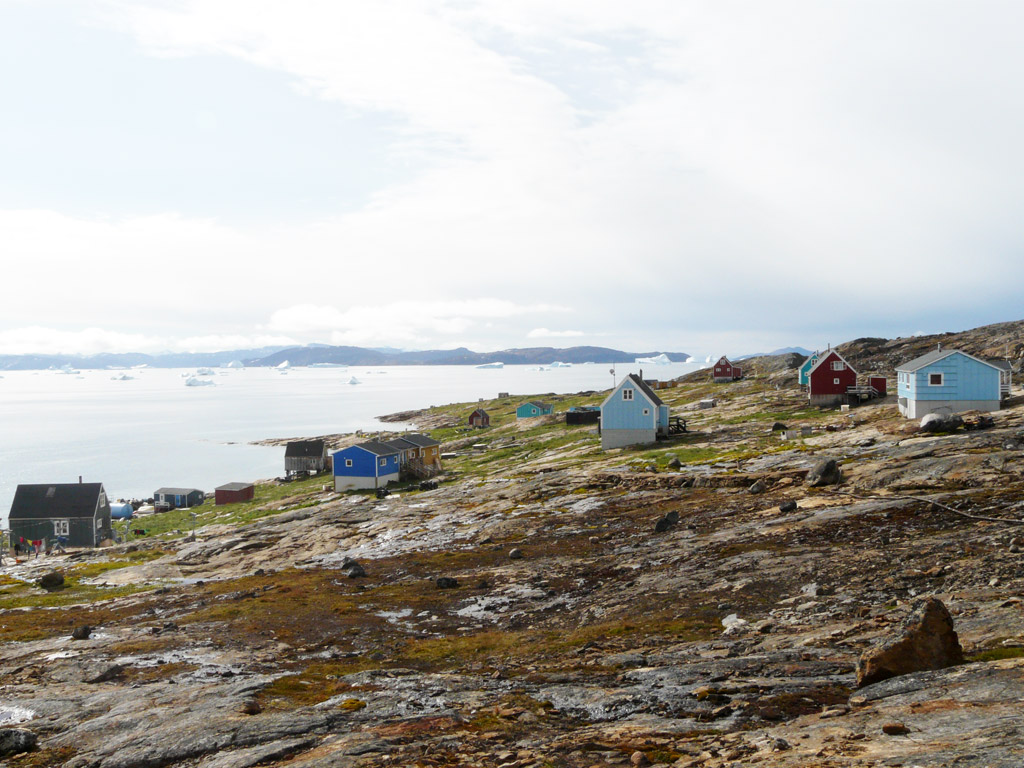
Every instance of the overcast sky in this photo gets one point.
(714, 177)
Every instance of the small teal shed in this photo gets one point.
(947, 381)
(533, 408)
(632, 415)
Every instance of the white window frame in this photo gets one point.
(627, 394)
(383, 462)
(838, 365)
(647, 411)
(61, 528)
(348, 462)
(939, 383)
(835, 381)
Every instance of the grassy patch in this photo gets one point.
(995, 654)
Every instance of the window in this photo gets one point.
(935, 379)
(348, 462)
(835, 381)
(647, 411)
(60, 528)
(383, 462)
(838, 365)
(627, 394)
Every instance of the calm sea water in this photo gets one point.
(138, 435)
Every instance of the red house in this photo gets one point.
(479, 418)
(726, 371)
(233, 493)
(830, 379)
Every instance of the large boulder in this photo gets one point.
(941, 422)
(825, 472)
(51, 581)
(14, 741)
(926, 641)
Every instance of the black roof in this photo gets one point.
(421, 440)
(233, 486)
(379, 449)
(400, 444)
(50, 500)
(304, 449)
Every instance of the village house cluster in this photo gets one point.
(941, 381)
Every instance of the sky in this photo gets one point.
(729, 176)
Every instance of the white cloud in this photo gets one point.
(544, 333)
(673, 172)
(89, 341)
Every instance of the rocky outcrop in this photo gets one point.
(826, 472)
(926, 641)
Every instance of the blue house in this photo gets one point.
(366, 465)
(533, 408)
(947, 381)
(632, 415)
(803, 372)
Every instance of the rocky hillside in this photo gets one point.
(1003, 341)
(703, 602)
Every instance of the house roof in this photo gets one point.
(177, 491)
(938, 354)
(50, 500)
(478, 410)
(400, 444)
(645, 389)
(233, 486)
(377, 448)
(1004, 365)
(537, 403)
(825, 356)
(421, 440)
(304, 449)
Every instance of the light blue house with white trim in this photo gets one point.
(366, 465)
(803, 372)
(947, 381)
(632, 415)
(534, 408)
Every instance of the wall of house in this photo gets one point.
(81, 531)
(366, 470)
(619, 438)
(617, 413)
(962, 379)
(918, 409)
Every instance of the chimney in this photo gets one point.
(940, 346)
(79, 479)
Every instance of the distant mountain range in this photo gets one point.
(782, 351)
(320, 353)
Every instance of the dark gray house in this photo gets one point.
(78, 511)
(177, 498)
(305, 456)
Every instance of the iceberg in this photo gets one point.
(233, 364)
(495, 364)
(354, 380)
(661, 359)
(195, 381)
(557, 364)
(283, 366)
